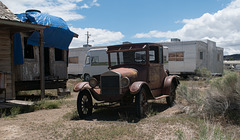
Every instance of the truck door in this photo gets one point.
(156, 70)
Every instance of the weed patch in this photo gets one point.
(73, 115)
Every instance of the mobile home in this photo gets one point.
(185, 57)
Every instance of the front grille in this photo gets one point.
(110, 85)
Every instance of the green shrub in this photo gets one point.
(192, 95)
(47, 104)
(203, 72)
(224, 97)
(221, 99)
(15, 111)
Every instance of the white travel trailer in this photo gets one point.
(184, 57)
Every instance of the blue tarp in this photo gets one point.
(57, 35)
(18, 55)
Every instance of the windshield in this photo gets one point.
(129, 57)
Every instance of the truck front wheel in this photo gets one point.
(141, 103)
(84, 104)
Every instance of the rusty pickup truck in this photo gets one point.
(136, 74)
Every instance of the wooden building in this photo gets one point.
(30, 66)
(10, 24)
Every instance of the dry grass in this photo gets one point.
(186, 120)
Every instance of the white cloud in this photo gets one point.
(222, 27)
(84, 6)
(65, 9)
(95, 3)
(98, 37)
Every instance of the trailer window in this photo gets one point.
(94, 60)
(87, 61)
(73, 60)
(218, 57)
(201, 55)
(28, 50)
(176, 56)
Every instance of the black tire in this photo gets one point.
(86, 77)
(171, 99)
(141, 103)
(84, 104)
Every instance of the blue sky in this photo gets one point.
(114, 21)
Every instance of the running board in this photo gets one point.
(160, 97)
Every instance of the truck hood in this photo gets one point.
(127, 72)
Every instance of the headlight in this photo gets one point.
(125, 82)
(93, 82)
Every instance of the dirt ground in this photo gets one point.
(51, 124)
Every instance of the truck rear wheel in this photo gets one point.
(171, 99)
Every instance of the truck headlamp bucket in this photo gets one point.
(93, 82)
(125, 82)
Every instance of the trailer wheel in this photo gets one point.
(86, 77)
(171, 99)
(141, 103)
(84, 104)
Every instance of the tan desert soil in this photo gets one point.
(50, 124)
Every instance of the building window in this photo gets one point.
(59, 55)
(73, 60)
(201, 55)
(28, 50)
(176, 56)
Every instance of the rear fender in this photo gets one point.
(167, 83)
(81, 86)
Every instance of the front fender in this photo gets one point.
(81, 86)
(167, 83)
(136, 86)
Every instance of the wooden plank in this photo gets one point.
(42, 72)
(4, 36)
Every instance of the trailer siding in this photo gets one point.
(197, 54)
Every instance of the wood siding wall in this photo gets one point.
(6, 60)
(30, 69)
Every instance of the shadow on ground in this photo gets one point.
(125, 113)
